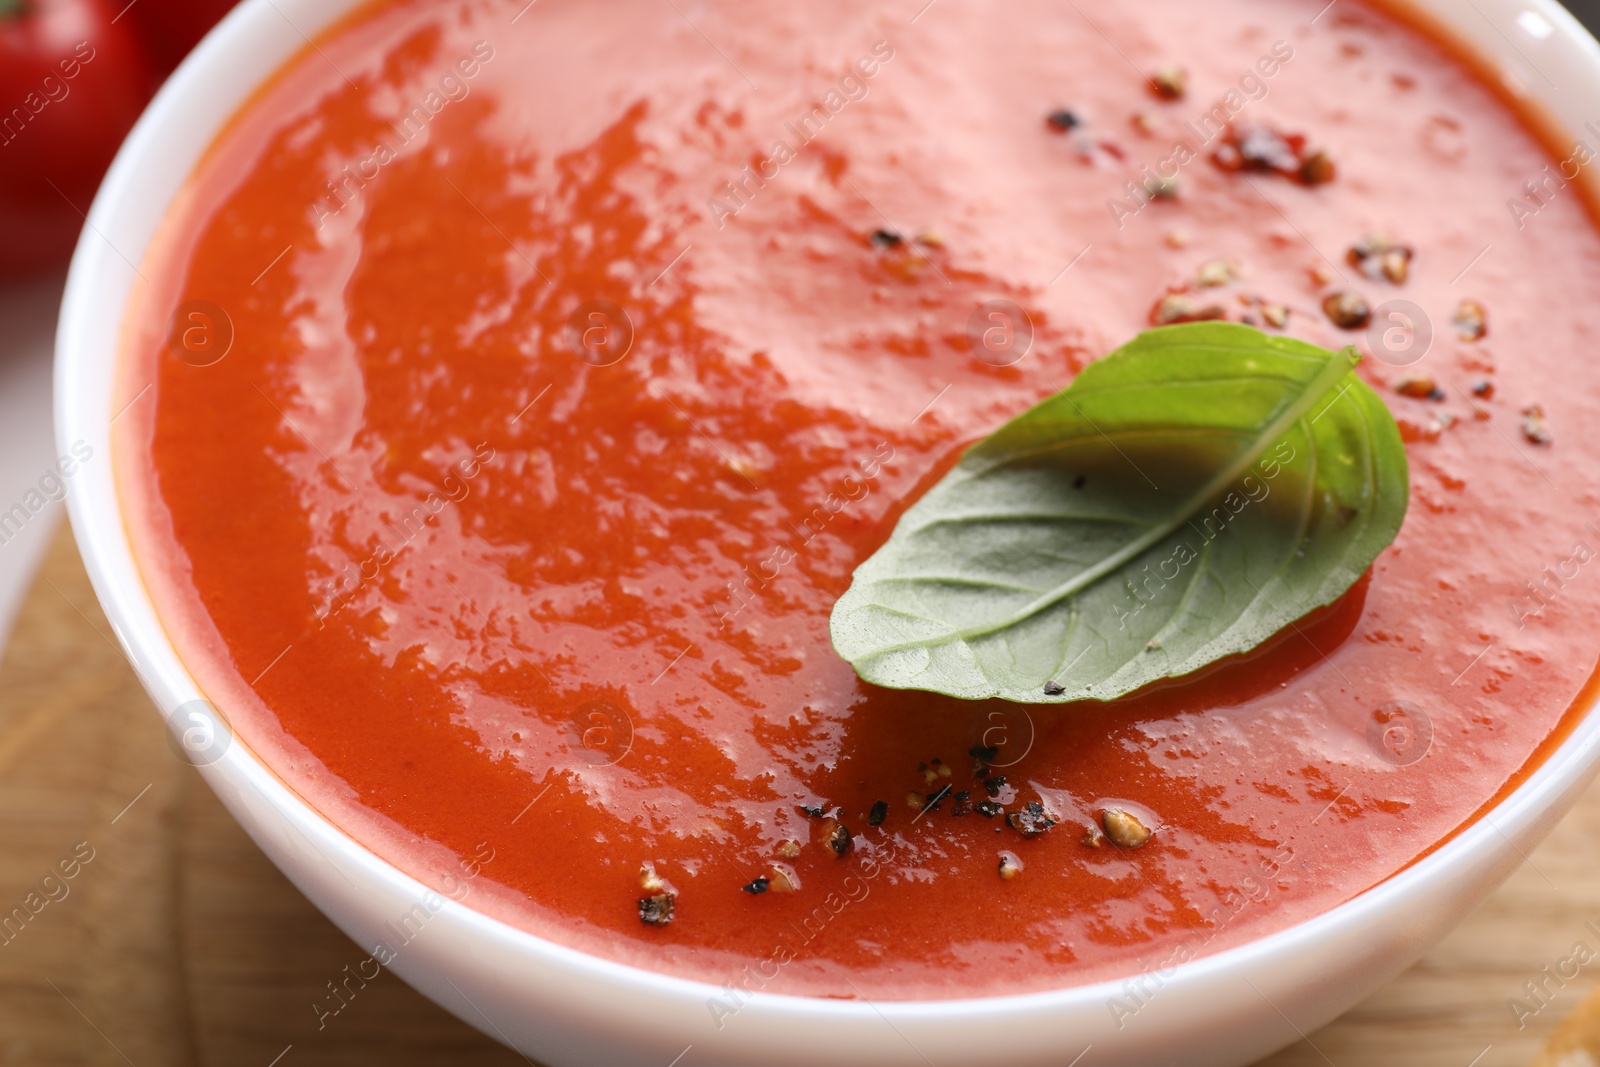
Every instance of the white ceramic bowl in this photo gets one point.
(567, 1008)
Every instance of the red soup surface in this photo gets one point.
(516, 388)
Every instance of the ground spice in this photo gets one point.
(1347, 309)
(1124, 829)
(657, 910)
(1031, 821)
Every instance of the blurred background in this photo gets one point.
(178, 942)
(74, 76)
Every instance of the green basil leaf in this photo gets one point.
(1184, 499)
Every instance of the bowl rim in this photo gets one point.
(100, 277)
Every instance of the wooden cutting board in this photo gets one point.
(177, 944)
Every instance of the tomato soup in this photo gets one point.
(516, 388)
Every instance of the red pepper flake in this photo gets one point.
(1534, 427)
(1090, 150)
(988, 809)
(657, 910)
(1031, 821)
(885, 239)
(879, 812)
(1470, 320)
(757, 886)
(1254, 147)
(816, 811)
(993, 784)
(1181, 307)
(986, 753)
(963, 803)
(1485, 389)
(1347, 309)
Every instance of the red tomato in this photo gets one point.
(172, 28)
(73, 77)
